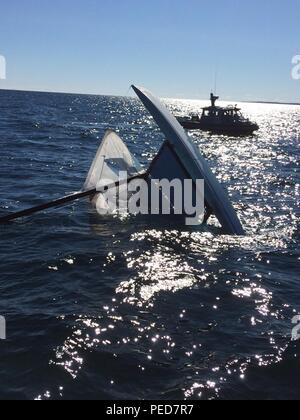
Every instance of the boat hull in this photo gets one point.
(194, 164)
(231, 130)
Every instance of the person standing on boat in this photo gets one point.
(213, 99)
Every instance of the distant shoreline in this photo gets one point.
(270, 103)
(121, 96)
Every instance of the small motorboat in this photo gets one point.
(220, 120)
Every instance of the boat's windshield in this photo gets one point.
(231, 113)
(242, 117)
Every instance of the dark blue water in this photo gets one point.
(103, 308)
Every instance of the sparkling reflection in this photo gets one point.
(192, 314)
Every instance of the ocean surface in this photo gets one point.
(128, 309)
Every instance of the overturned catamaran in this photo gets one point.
(114, 166)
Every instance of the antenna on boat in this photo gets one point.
(215, 87)
(216, 81)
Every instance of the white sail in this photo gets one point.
(112, 158)
(113, 163)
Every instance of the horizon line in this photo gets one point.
(125, 96)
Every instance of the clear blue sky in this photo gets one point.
(171, 46)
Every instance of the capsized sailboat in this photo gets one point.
(178, 158)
